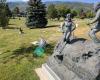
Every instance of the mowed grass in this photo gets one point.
(16, 59)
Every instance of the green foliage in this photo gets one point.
(81, 13)
(52, 11)
(36, 14)
(63, 10)
(61, 7)
(89, 14)
(57, 11)
(3, 14)
(16, 11)
(74, 13)
(4, 21)
(8, 11)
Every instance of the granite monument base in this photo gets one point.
(79, 60)
(46, 73)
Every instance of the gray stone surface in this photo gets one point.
(79, 60)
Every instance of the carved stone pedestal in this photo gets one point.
(46, 73)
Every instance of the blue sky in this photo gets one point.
(87, 1)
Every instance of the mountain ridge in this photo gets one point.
(12, 5)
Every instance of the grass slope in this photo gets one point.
(16, 59)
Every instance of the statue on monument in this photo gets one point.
(67, 28)
(96, 27)
(72, 56)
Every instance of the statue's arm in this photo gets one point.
(62, 26)
(97, 17)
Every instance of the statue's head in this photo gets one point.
(96, 6)
(68, 17)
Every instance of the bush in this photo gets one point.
(3, 14)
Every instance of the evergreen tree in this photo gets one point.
(3, 14)
(16, 12)
(36, 14)
(8, 11)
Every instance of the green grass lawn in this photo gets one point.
(16, 59)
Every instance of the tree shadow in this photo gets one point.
(27, 52)
(51, 26)
(19, 54)
(12, 28)
(23, 50)
(49, 49)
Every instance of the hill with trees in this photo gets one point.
(59, 8)
(72, 5)
(22, 5)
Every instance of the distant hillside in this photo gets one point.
(72, 5)
(21, 5)
(75, 5)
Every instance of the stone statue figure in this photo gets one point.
(79, 60)
(67, 28)
(96, 27)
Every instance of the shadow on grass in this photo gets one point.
(52, 26)
(27, 52)
(30, 50)
(23, 50)
(44, 27)
(12, 28)
(49, 49)
(19, 54)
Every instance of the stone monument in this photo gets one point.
(77, 60)
(96, 21)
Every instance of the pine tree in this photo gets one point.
(16, 11)
(8, 11)
(3, 14)
(36, 14)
